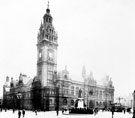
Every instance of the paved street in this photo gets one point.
(52, 114)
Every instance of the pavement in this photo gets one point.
(52, 114)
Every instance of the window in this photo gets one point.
(46, 19)
(50, 76)
(49, 20)
(50, 67)
(72, 90)
(47, 36)
(50, 101)
(72, 102)
(65, 102)
(77, 90)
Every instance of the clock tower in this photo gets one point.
(46, 50)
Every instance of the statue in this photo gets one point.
(80, 93)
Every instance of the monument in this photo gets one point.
(80, 107)
(80, 101)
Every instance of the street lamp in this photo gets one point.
(56, 89)
(19, 96)
(133, 104)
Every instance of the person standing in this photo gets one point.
(112, 111)
(62, 110)
(19, 114)
(36, 112)
(23, 112)
(13, 110)
(124, 110)
(57, 111)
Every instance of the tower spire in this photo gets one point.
(48, 5)
(83, 72)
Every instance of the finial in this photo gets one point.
(41, 23)
(48, 5)
(83, 72)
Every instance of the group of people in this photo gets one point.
(82, 110)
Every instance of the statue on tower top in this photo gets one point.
(48, 10)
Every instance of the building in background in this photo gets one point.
(50, 89)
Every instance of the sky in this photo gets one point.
(97, 34)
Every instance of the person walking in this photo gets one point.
(19, 114)
(23, 112)
(62, 110)
(57, 111)
(112, 112)
(13, 110)
(36, 112)
(94, 111)
(124, 110)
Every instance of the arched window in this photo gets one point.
(46, 19)
(65, 102)
(72, 102)
(49, 20)
(47, 36)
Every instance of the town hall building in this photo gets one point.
(51, 89)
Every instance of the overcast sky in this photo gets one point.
(99, 34)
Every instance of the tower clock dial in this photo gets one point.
(40, 55)
(50, 55)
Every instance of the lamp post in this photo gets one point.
(62, 92)
(19, 96)
(106, 96)
(119, 98)
(56, 89)
(133, 104)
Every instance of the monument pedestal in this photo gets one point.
(80, 102)
(80, 107)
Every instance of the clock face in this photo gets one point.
(50, 56)
(40, 55)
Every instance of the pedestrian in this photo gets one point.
(36, 112)
(13, 110)
(62, 110)
(124, 110)
(112, 112)
(57, 111)
(94, 111)
(19, 114)
(23, 112)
